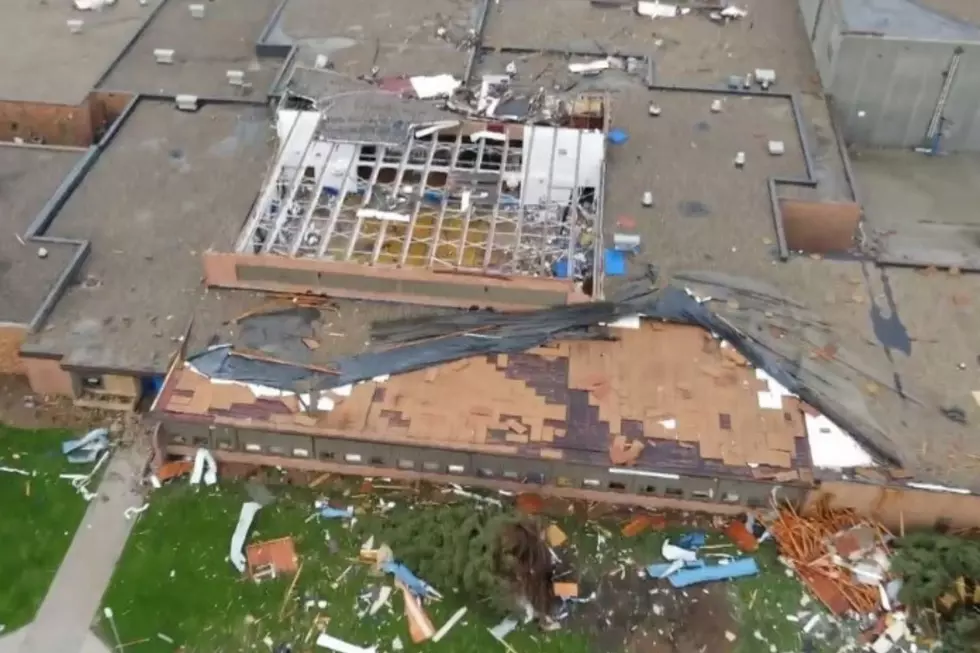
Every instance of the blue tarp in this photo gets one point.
(692, 575)
(415, 585)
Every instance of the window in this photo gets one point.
(178, 438)
(327, 455)
(277, 451)
(255, 448)
(352, 457)
(617, 486)
(404, 463)
(485, 472)
(457, 469)
(563, 481)
(309, 172)
(223, 443)
(650, 489)
(675, 492)
(514, 476)
(702, 494)
(729, 497)
(753, 502)
(200, 441)
(591, 482)
(377, 460)
(301, 453)
(432, 467)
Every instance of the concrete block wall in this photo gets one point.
(267, 447)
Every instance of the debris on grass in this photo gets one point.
(236, 553)
(86, 449)
(419, 625)
(446, 627)
(340, 646)
(271, 559)
(205, 468)
(556, 536)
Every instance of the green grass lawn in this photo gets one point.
(175, 579)
(38, 518)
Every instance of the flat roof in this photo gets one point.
(408, 23)
(29, 177)
(939, 20)
(568, 402)
(44, 62)
(169, 185)
(204, 50)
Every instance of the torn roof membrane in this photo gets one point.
(421, 343)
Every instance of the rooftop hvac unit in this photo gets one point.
(197, 11)
(163, 56)
(187, 102)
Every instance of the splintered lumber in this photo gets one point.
(803, 541)
(419, 625)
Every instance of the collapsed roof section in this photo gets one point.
(828, 384)
(368, 183)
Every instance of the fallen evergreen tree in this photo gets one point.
(492, 555)
(940, 575)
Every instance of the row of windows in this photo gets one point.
(433, 467)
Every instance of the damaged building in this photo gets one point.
(390, 252)
(376, 196)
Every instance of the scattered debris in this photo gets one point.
(236, 553)
(340, 646)
(205, 467)
(271, 559)
(85, 450)
(555, 535)
(446, 627)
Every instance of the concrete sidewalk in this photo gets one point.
(63, 621)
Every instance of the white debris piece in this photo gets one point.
(730, 636)
(340, 646)
(93, 5)
(777, 148)
(731, 11)
(657, 9)
(590, 67)
(236, 553)
(504, 628)
(205, 468)
(433, 86)
(488, 135)
(391, 216)
(672, 553)
(446, 627)
(383, 595)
